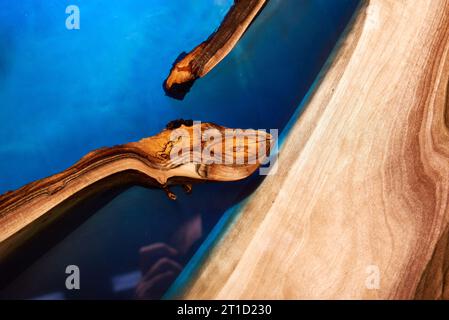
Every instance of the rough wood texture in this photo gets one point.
(177, 155)
(363, 176)
(209, 53)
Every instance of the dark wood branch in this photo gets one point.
(208, 54)
(150, 162)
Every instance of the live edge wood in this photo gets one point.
(148, 162)
(209, 53)
(363, 179)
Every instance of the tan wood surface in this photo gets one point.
(363, 177)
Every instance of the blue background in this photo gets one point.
(66, 92)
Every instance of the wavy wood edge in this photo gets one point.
(363, 177)
(203, 58)
(148, 162)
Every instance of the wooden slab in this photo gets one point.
(363, 179)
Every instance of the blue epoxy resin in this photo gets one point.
(65, 92)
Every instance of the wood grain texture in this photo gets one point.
(204, 57)
(363, 176)
(183, 153)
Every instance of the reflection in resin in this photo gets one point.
(66, 93)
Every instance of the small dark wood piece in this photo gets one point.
(196, 64)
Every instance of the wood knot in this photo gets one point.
(175, 124)
(58, 186)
